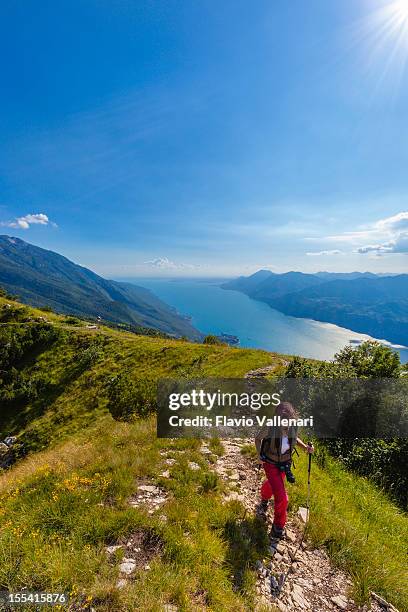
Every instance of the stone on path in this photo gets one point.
(127, 566)
(233, 495)
(263, 604)
(340, 601)
(111, 549)
(298, 597)
(148, 488)
(303, 514)
(291, 536)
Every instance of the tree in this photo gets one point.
(370, 359)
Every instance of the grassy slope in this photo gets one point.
(76, 395)
(361, 529)
(61, 506)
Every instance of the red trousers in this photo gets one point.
(275, 486)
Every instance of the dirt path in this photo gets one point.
(262, 373)
(313, 585)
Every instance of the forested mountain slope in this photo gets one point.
(44, 278)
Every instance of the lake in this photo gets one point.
(216, 311)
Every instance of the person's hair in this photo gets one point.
(286, 410)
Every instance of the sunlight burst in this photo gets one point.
(401, 9)
(384, 35)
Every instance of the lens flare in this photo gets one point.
(401, 9)
(382, 35)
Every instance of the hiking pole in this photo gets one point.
(309, 469)
(283, 576)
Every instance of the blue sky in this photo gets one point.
(207, 138)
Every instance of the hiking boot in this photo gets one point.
(262, 509)
(277, 532)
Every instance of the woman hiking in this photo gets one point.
(275, 446)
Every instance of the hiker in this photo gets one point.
(275, 446)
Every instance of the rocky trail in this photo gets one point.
(313, 584)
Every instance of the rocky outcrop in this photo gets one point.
(7, 452)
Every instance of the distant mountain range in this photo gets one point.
(44, 278)
(363, 302)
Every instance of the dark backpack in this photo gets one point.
(271, 445)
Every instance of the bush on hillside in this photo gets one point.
(370, 360)
(18, 343)
(211, 339)
(129, 398)
(72, 320)
(15, 314)
(383, 461)
(91, 354)
(47, 309)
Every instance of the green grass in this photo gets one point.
(62, 505)
(76, 369)
(216, 446)
(363, 532)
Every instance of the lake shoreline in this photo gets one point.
(214, 310)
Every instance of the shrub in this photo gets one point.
(383, 461)
(72, 321)
(131, 397)
(209, 482)
(90, 356)
(46, 309)
(10, 312)
(211, 339)
(370, 360)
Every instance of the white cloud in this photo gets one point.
(388, 235)
(164, 263)
(398, 245)
(25, 222)
(322, 253)
(396, 223)
(369, 248)
(381, 229)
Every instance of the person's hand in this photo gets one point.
(310, 449)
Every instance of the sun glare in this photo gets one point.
(401, 9)
(391, 20)
(382, 34)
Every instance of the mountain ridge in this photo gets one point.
(368, 303)
(45, 278)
